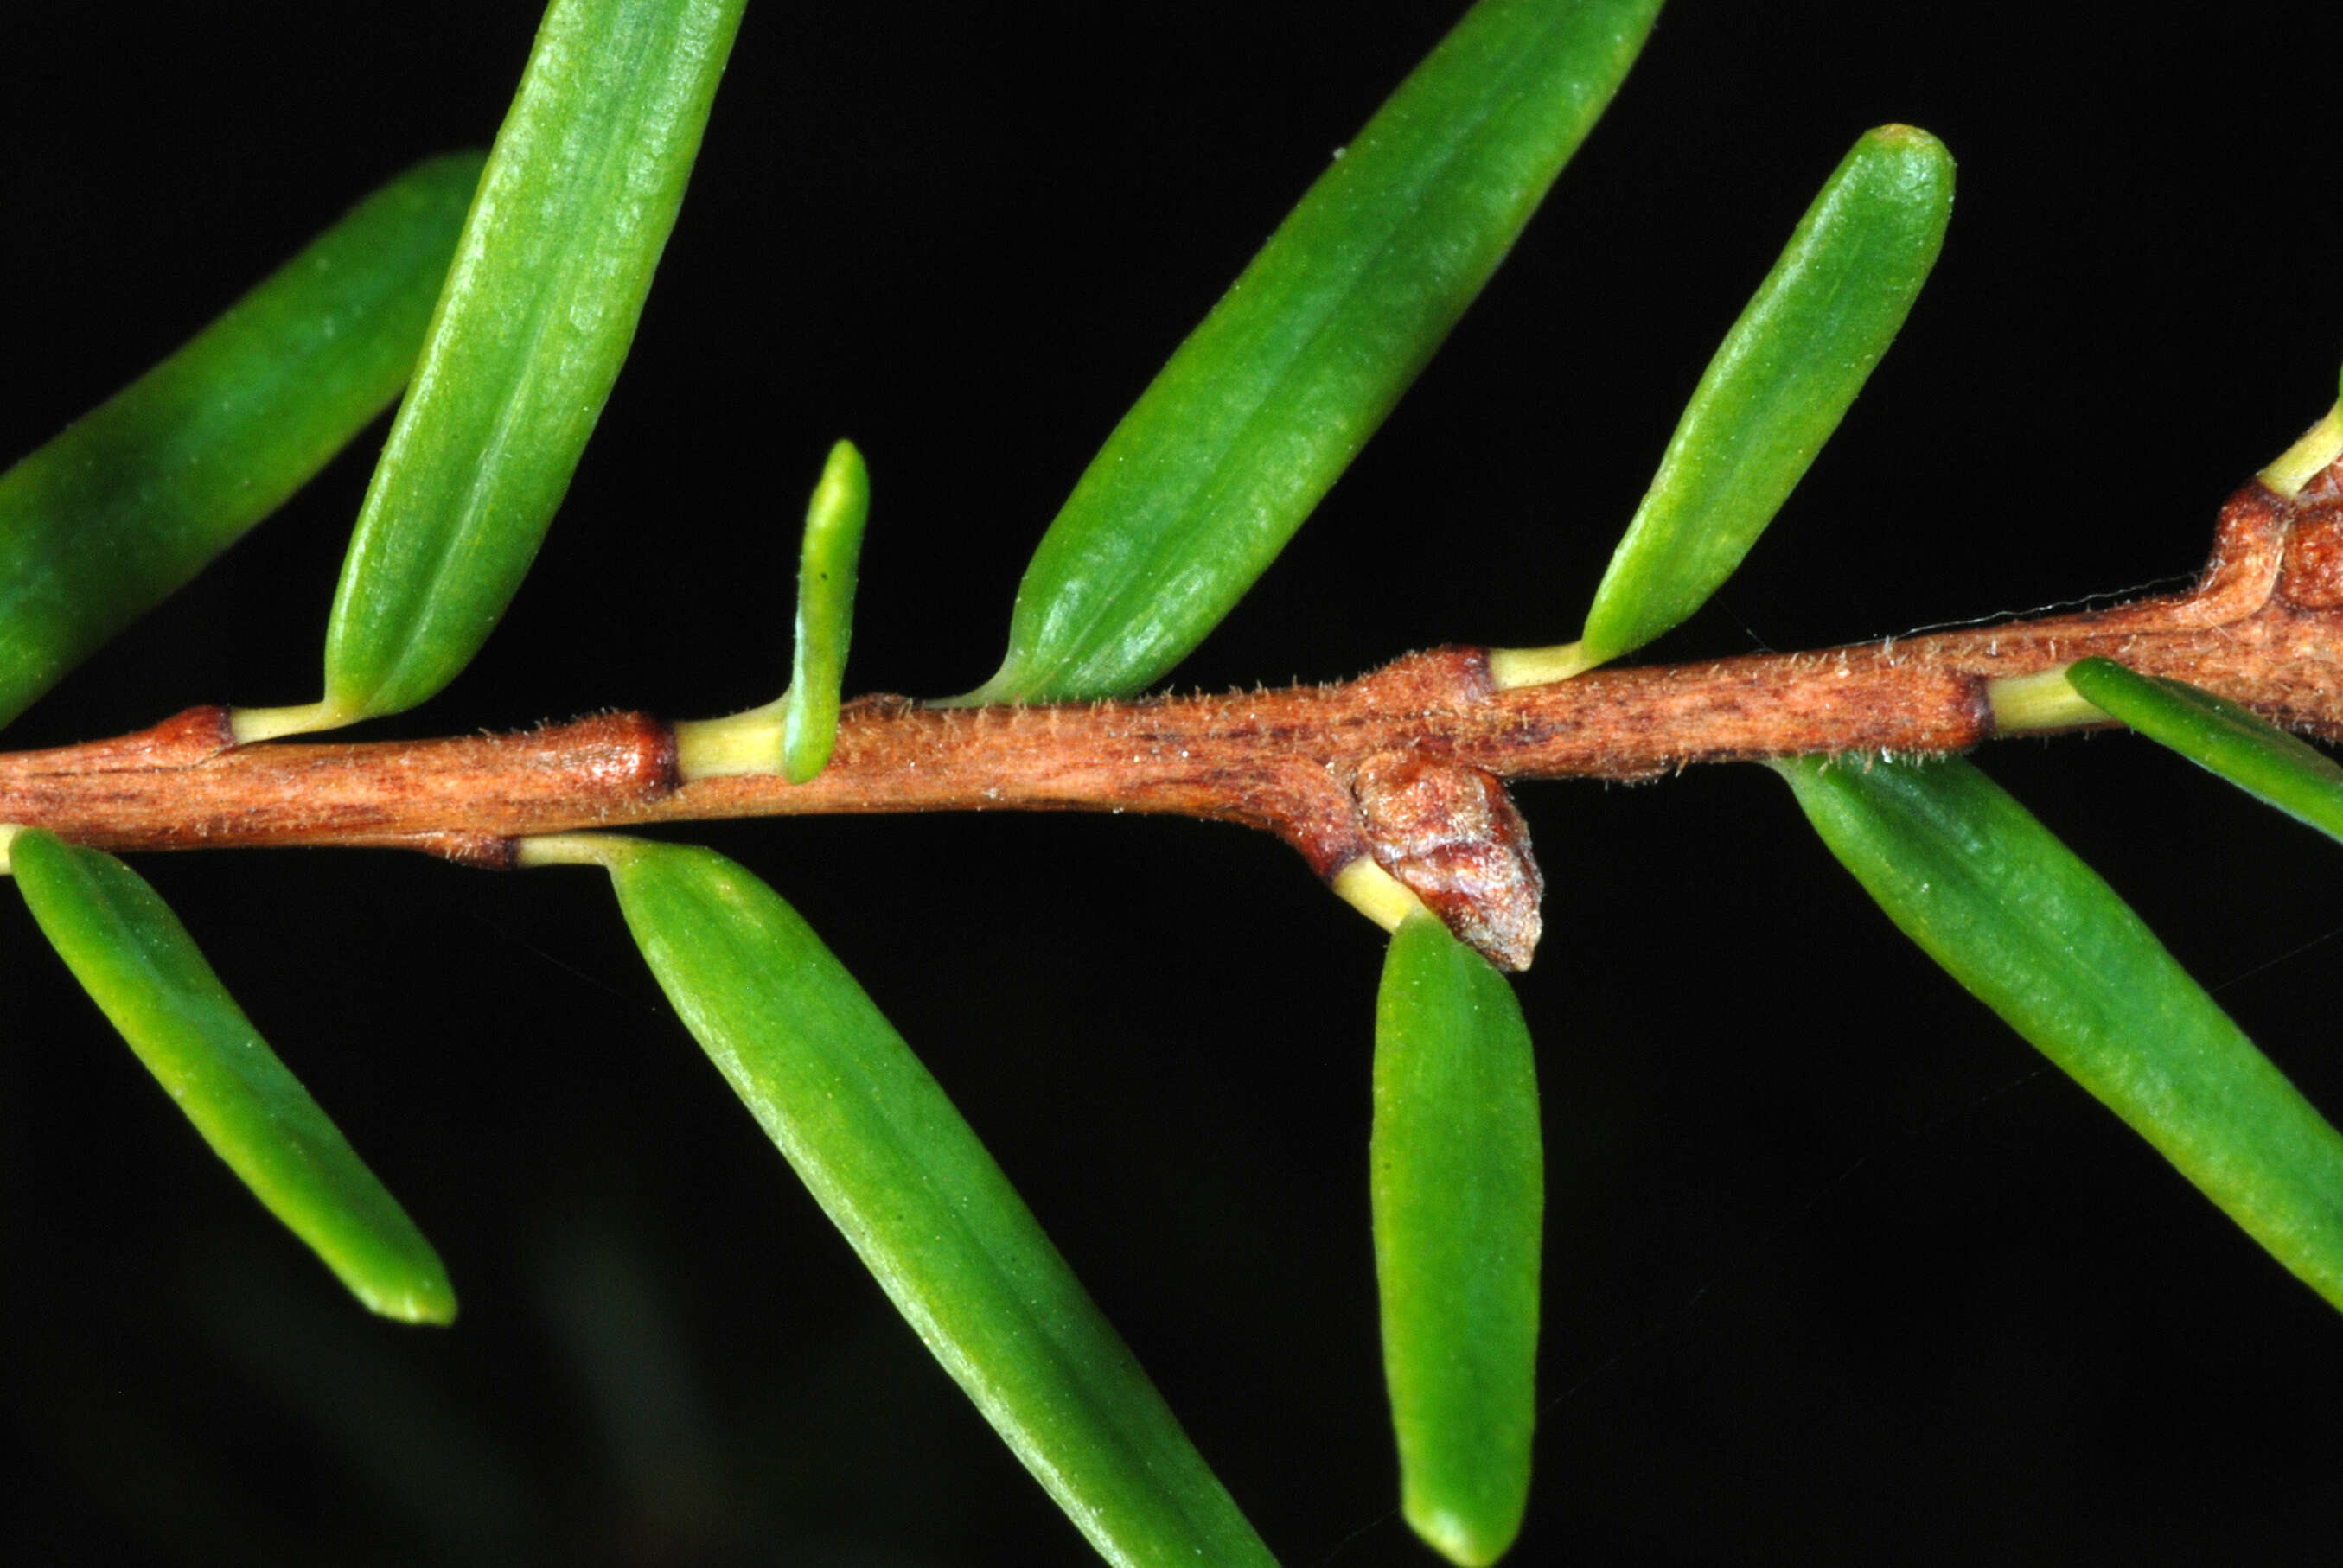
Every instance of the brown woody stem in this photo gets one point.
(1407, 764)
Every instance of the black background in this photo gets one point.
(1836, 1271)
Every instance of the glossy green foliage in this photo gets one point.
(1778, 387)
(1459, 1190)
(826, 574)
(540, 307)
(137, 496)
(2220, 735)
(142, 969)
(892, 1164)
(1266, 403)
(1989, 893)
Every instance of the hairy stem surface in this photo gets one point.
(1407, 765)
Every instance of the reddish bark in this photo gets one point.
(1407, 763)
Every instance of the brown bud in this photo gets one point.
(1452, 835)
(2312, 577)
